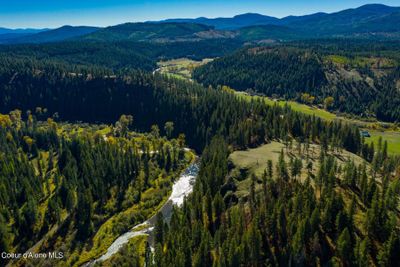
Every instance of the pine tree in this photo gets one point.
(389, 254)
(362, 252)
(344, 247)
(84, 215)
(5, 236)
(282, 168)
(159, 229)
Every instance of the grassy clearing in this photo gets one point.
(254, 161)
(180, 68)
(375, 62)
(392, 137)
(323, 114)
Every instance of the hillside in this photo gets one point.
(148, 32)
(348, 22)
(368, 21)
(117, 56)
(239, 21)
(59, 34)
(354, 84)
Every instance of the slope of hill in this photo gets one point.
(148, 32)
(28, 30)
(387, 25)
(239, 21)
(361, 85)
(59, 34)
(8, 34)
(269, 32)
(4, 37)
(365, 21)
(347, 22)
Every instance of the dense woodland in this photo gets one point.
(119, 55)
(276, 71)
(362, 83)
(53, 176)
(72, 183)
(286, 222)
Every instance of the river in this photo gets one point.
(180, 189)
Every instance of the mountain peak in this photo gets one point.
(378, 9)
(246, 15)
(375, 7)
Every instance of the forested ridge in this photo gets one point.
(364, 83)
(119, 55)
(274, 71)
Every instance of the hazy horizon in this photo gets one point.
(53, 14)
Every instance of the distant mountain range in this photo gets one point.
(20, 31)
(368, 21)
(237, 22)
(46, 36)
(322, 21)
(148, 32)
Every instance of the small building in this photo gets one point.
(365, 134)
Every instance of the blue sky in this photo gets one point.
(55, 13)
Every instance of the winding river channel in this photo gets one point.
(180, 189)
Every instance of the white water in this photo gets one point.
(180, 189)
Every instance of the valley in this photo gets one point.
(248, 141)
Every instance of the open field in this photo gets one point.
(392, 137)
(323, 114)
(180, 68)
(254, 161)
(358, 61)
